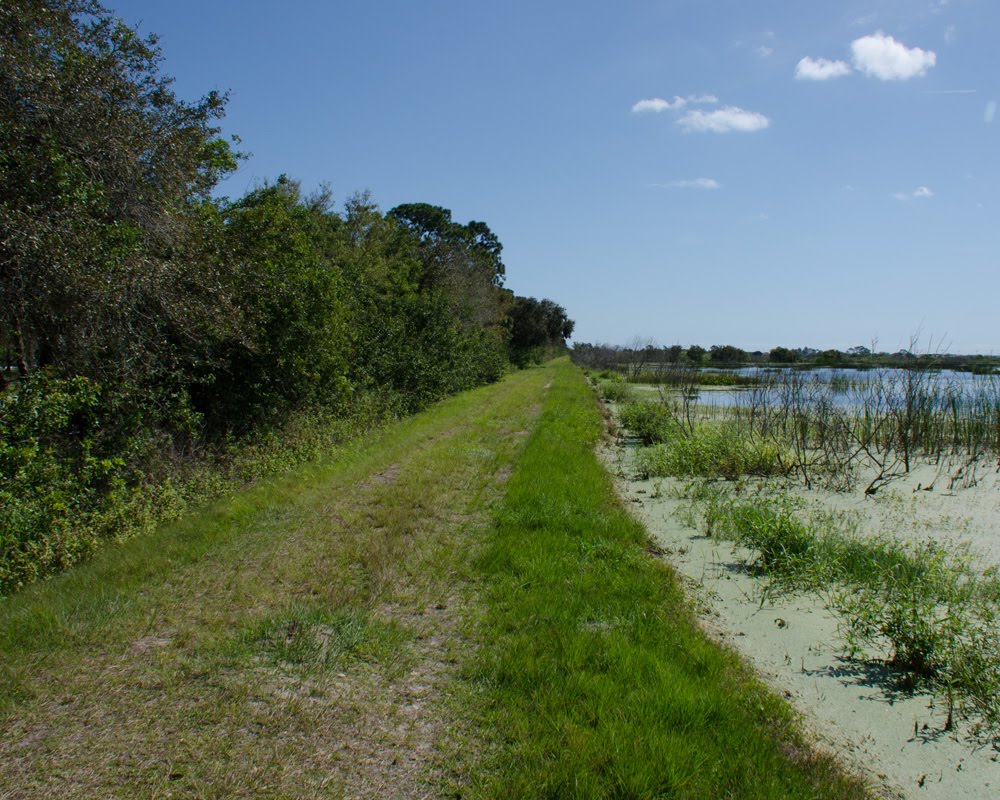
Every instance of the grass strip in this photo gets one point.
(593, 676)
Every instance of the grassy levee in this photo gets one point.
(295, 641)
(457, 606)
(593, 673)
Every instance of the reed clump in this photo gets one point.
(877, 427)
(712, 450)
(832, 433)
(615, 389)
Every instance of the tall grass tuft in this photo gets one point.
(712, 450)
(616, 389)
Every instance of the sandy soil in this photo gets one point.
(898, 741)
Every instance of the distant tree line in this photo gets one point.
(640, 355)
(142, 319)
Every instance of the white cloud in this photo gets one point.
(950, 34)
(655, 104)
(920, 193)
(723, 120)
(696, 183)
(990, 112)
(764, 51)
(820, 69)
(658, 104)
(880, 56)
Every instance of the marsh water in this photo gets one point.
(848, 388)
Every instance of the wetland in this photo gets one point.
(838, 529)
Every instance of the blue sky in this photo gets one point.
(688, 171)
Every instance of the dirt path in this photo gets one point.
(305, 647)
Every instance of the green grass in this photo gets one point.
(693, 377)
(711, 450)
(457, 606)
(315, 637)
(704, 449)
(594, 679)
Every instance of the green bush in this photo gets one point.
(65, 488)
(782, 542)
(615, 389)
(60, 495)
(651, 422)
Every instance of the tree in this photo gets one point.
(830, 358)
(443, 240)
(595, 356)
(461, 262)
(538, 329)
(104, 179)
(696, 354)
(295, 345)
(783, 355)
(726, 354)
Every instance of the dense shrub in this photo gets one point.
(615, 388)
(61, 494)
(650, 422)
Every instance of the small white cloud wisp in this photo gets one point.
(723, 120)
(657, 105)
(695, 183)
(654, 105)
(920, 193)
(881, 56)
(820, 69)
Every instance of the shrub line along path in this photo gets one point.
(335, 633)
